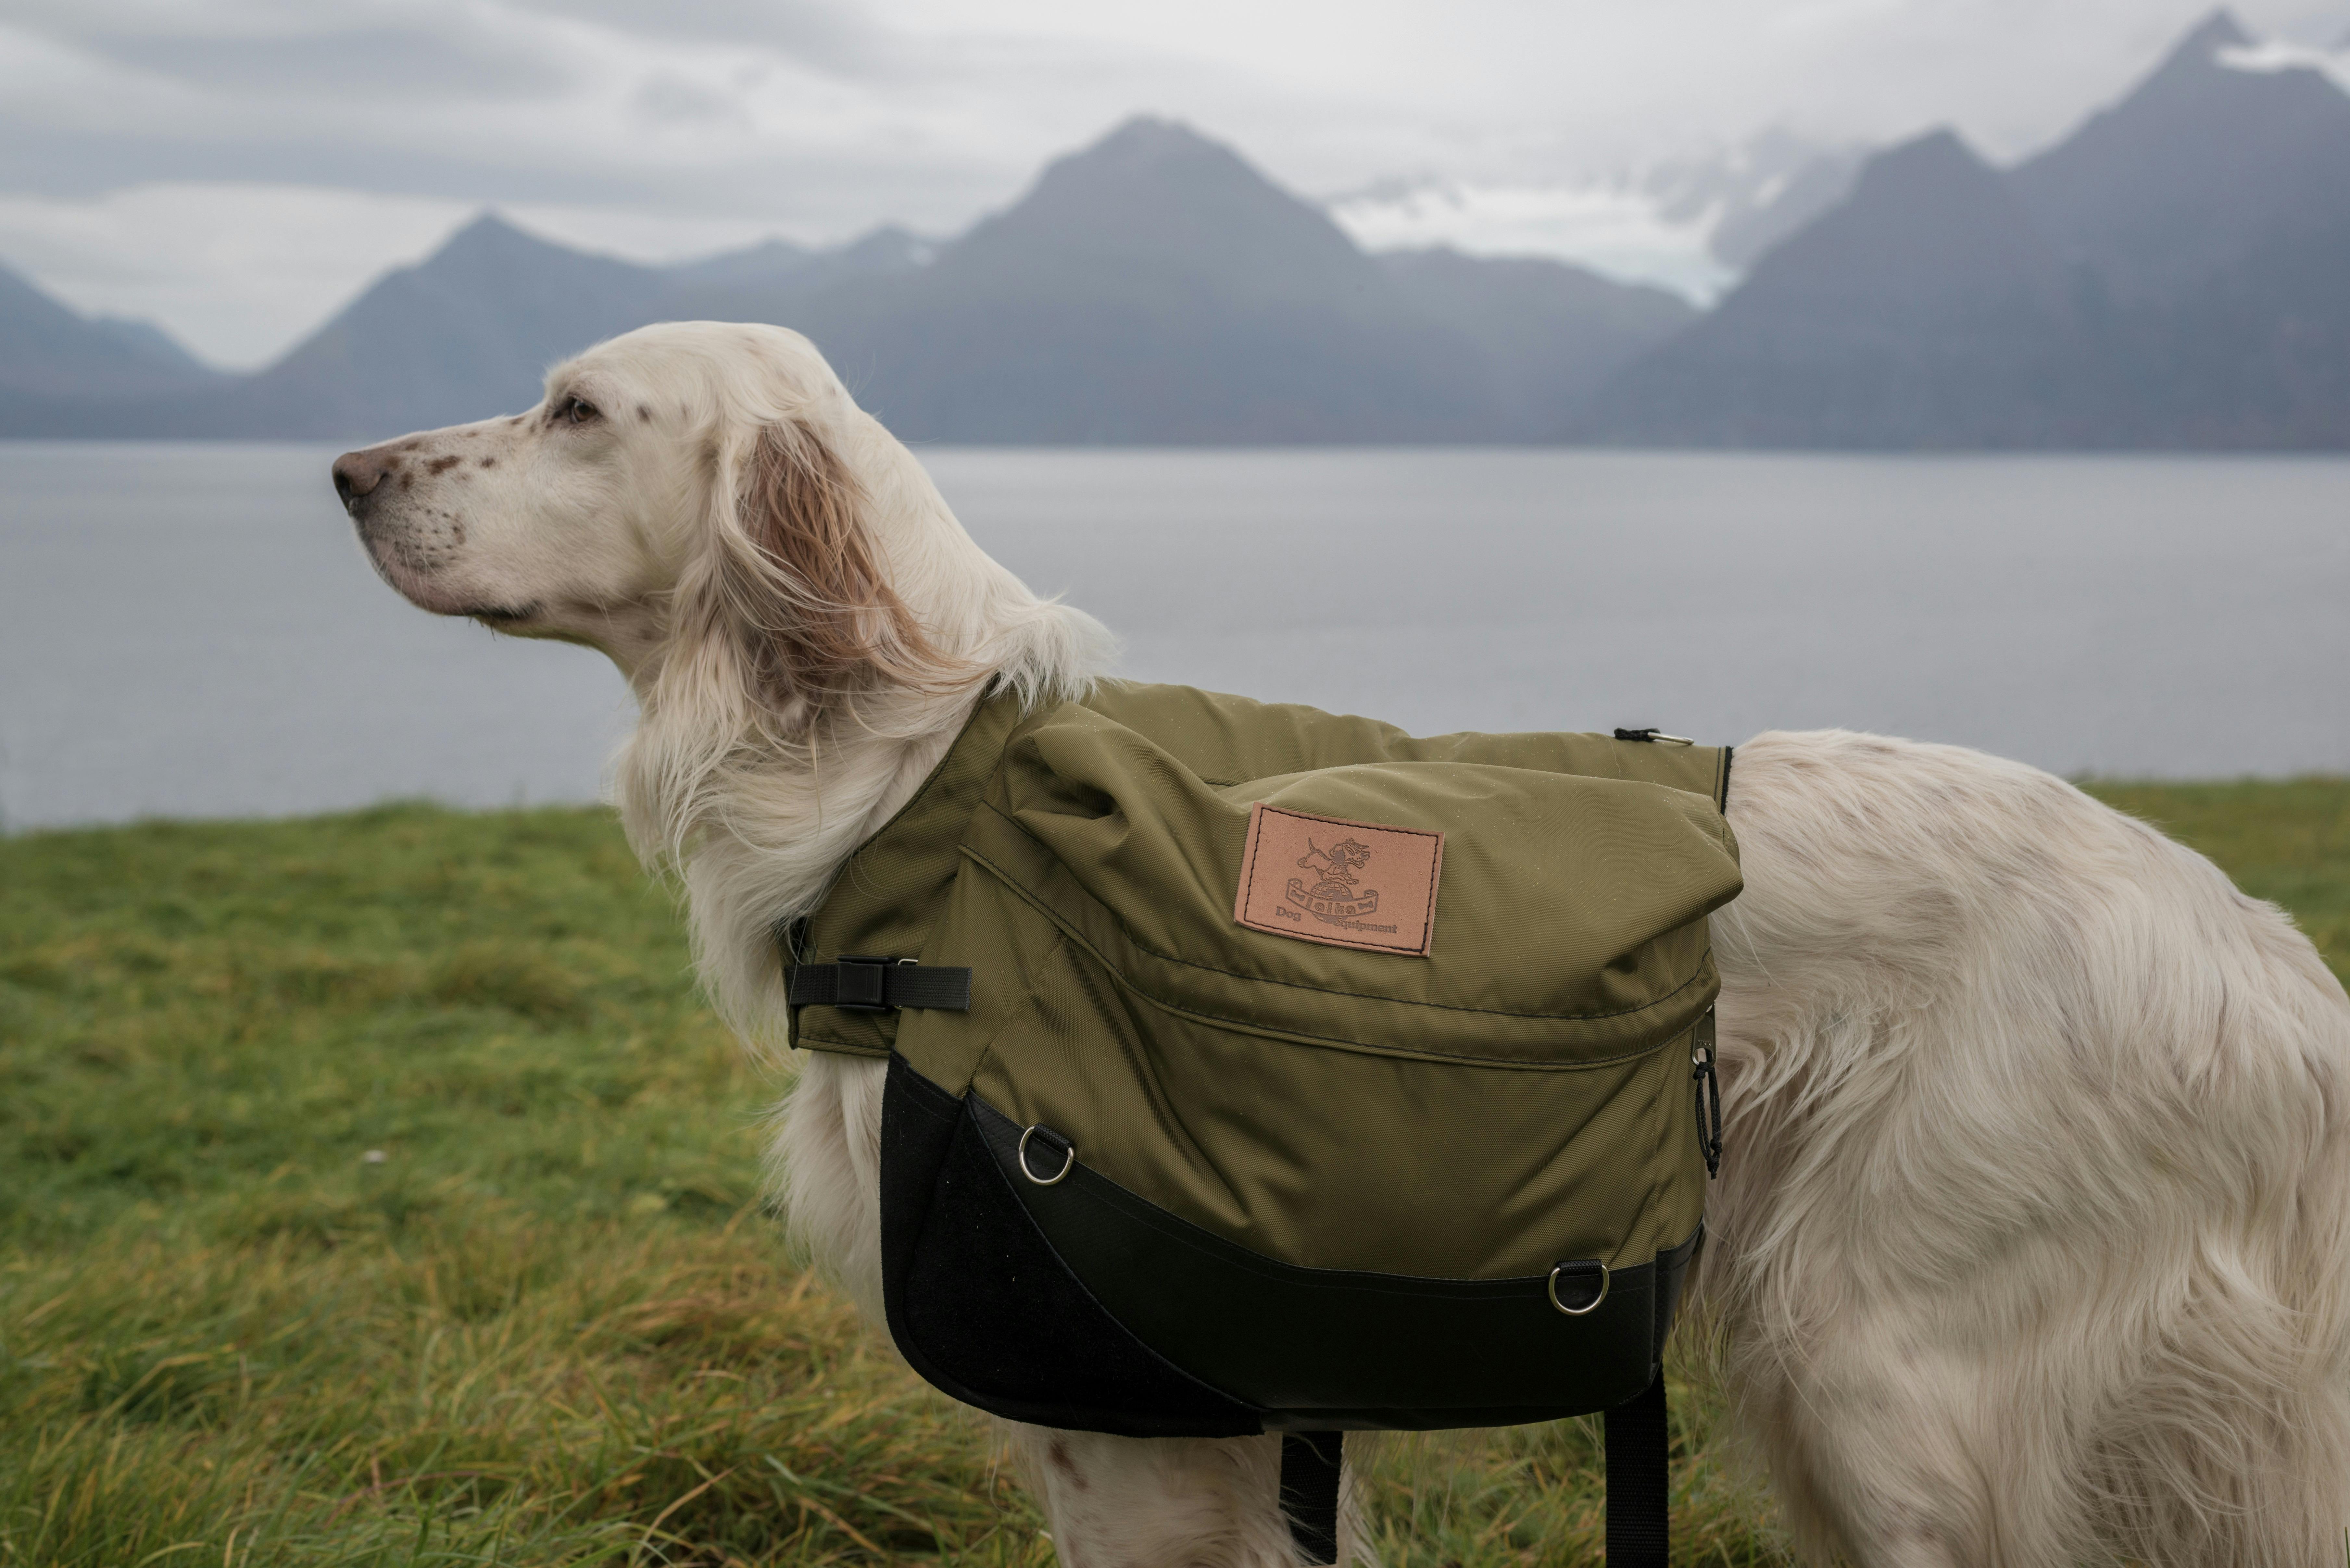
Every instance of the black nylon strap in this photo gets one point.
(879, 987)
(1637, 1497)
(1310, 1462)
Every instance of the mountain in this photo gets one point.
(1750, 196)
(48, 349)
(466, 334)
(1550, 334)
(1817, 185)
(2175, 272)
(2214, 203)
(1150, 289)
(2197, 168)
(1927, 309)
(1156, 288)
(887, 251)
(769, 261)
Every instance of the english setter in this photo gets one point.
(2029, 1249)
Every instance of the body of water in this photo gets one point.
(190, 630)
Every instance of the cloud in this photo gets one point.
(405, 63)
(841, 39)
(1614, 228)
(2284, 55)
(483, 100)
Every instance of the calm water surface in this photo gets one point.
(190, 630)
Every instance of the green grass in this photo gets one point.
(549, 1323)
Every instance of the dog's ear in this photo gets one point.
(817, 604)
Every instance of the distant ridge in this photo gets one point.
(1152, 287)
(1549, 335)
(1927, 309)
(2175, 272)
(2196, 167)
(463, 334)
(768, 260)
(48, 350)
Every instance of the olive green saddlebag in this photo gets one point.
(1252, 1068)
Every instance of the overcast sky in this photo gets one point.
(235, 169)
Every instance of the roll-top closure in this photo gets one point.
(1568, 918)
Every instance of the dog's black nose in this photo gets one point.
(357, 474)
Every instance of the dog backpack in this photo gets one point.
(1256, 1069)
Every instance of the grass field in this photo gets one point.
(373, 1190)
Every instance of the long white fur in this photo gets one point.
(2028, 1246)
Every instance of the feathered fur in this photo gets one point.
(2031, 1247)
(2029, 1244)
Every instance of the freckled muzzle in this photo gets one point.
(405, 528)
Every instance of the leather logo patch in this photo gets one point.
(1349, 884)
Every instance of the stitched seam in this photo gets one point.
(921, 792)
(1435, 869)
(1368, 1047)
(929, 779)
(1010, 882)
(1177, 1230)
(1342, 822)
(1248, 865)
(810, 1042)
(1032, 980)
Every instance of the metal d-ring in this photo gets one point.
(1581, 1311)
(1068, 1165)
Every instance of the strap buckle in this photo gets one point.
(864, 982)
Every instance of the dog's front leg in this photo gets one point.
(1166, 1503)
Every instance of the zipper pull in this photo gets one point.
(1708, 1094)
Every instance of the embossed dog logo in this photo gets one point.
(1334, 898)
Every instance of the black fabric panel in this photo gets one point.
(981, 1306)
(918, 1124)
(1639, 1510)
(1672, 1273)
(1327, 1348)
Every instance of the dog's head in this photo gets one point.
(688, 494)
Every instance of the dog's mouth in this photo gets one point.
(414, 581)
(496, 616)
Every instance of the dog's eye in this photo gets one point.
(579, 411)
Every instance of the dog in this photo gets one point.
(2028, 1246)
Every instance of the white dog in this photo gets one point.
(2029, 1249)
